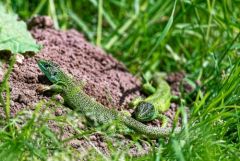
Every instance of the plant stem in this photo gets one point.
(5, 86)
(99, 27)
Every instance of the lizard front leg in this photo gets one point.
(55, 88)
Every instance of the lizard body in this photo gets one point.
(79, 101)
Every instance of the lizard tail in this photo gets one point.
(153, 132)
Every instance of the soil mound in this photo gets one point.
(106, 79)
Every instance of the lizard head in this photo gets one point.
(51, 70)
(144, 111)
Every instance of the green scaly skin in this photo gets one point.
(79, 101)
(154, 105)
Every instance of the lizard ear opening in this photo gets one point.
(60, 83)
(54, 73)
(54, 77)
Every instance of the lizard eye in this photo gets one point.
(46, 65)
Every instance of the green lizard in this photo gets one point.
(154, 105)
(79, 101)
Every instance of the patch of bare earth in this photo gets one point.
(107, 80)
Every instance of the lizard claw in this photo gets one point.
(42, 88)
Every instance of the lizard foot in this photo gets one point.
(55, 88)
(43, 88)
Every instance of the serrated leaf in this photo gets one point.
(14, 35)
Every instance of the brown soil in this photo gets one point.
(107, 80)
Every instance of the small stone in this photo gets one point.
(173, 105)
(40, 22)
(102, 144)
(12, 103)
(75, 143)
(93, 138)
(59, 98)
(33, 107)
(22, 99)
(1, 74)
(80, 125)
(58, 112)
(19, 58)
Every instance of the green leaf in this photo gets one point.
(14, 35)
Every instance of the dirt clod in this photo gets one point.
(40, 22)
